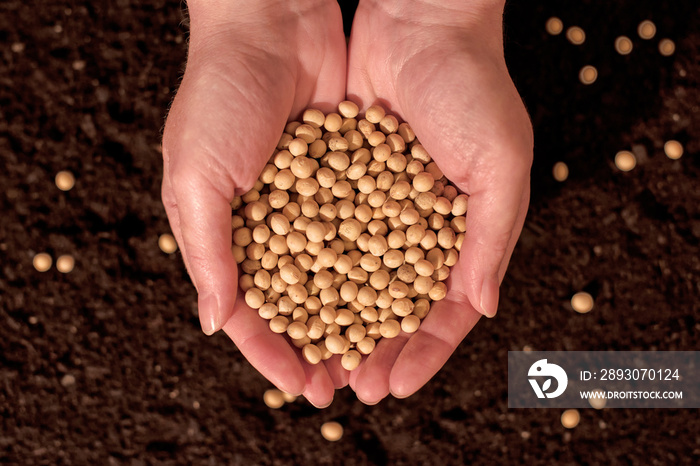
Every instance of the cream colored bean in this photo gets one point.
(441, 274)
(313, 117)
(369, 315)
(406, 273)
(370, 263)
(389, 124)
(423, 285)
(402, 307)
(338, 161)
(348, 109)
(311, 353)
(262, 279)
(424, 268)
(379, 280)
(329, 296)
(429, 241)
(451, 257)
(373, 330)
(279, 324)
(393, 258)
(410, 323)
(344, 317)
(351, 360)
(438, 291)
(327, 314)
(296, 330)
(283, 159)
(390, 328)
(366, 345)
(254, 298)
(286, 306)
(268, 311)
(335, 343)
(367, 296)
(316, 327)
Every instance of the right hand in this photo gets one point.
(251, 66)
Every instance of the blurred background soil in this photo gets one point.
(107, 364)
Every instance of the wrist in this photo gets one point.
(440, 12)
(244, 11)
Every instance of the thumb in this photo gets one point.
(494, 221)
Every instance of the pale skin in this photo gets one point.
(439, 65)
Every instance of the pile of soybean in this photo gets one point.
(349, 233)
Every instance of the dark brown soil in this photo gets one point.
(107, 364)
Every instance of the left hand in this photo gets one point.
(443, 70)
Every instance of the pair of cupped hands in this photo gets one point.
(255, 64)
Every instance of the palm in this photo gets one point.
(240, 87)
(466, 112)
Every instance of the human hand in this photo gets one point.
(440, 66)
(251, 66)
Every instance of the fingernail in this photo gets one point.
(321, 406)
(368, 403)
(489, 297)
(209, 313)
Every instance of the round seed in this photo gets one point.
(332, 431)
(575, 35)
(268, 311)
(311, 353)
(438, 291)
(560, 171)
(375, 113)
(582, 302)
(273, 398)
(554, 26)
(625, 160)
(570, 418)
(254, 298)
(390, 328)
(588, 74)
(673, 149)
(64, 180)
(367, 296)
(355, 333)
(297, 330)
(167, 243)
(65, 263)
(667, 47)
(335, 343)
(423, 182)
(646, 29)
(351, 360)
(42, 262)
(623, 45)
(348, 109)
(279, 323)
(402, 307)
(313, 117)
(410, 323)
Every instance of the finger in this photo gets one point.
(370, 381)
(442, 330)
(270, 353)
(338, 374)
(320, 388)
(206, 239)
(494, 221)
